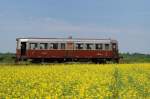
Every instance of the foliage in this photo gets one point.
(75, 81)
(135, 58)
(7, 57)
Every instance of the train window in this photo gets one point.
(99, 46)
(50, 46)
(89, 46)
(43, 45)
(106, 46)
(114, 45)
(33, 46)
(55, 45)
(79, 46)
(62, 45)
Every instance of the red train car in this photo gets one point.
(65, 49)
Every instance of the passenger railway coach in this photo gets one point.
(66, 49)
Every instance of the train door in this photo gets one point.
(69, 48)
(115, 51)
(114, 48)
(23, 48)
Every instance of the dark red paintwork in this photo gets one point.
(67, 54)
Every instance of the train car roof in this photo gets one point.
(64, 39)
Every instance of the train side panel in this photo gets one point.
(67, 54)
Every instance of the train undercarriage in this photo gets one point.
(65, 60)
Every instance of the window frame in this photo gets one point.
(64, 47)
(77, 47)
(107, 46)
(89, 46)
(35, 46)
(99, 48)
(56, 47)
(45, 47)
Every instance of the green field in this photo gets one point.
(75, 81)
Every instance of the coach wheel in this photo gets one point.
(60, 60)
(102, 61)
(95, 60)
(75, 60)
(116, 60)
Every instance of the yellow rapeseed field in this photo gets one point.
(75, 81)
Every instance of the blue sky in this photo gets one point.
(128, 21)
